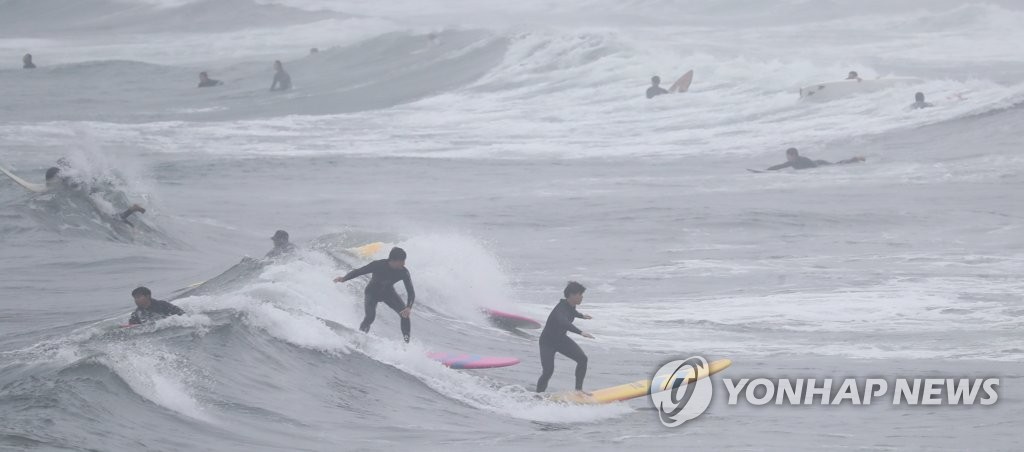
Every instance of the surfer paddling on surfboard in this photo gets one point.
(148, 309)
(384, 274)
(796, 161)
(554, 339)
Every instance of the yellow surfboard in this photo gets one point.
(368, 250)
(637, 388)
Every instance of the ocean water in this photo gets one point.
(508, 148)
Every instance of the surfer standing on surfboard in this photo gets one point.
(384, 274)
(554, 337)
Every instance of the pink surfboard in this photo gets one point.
(468, 361)
(511, 320)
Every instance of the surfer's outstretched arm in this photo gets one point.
(366, 269)
(779, 166)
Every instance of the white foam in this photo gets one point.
(456, 274)
(483, 393)
(158, 376)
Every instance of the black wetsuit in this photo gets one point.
(157, 309)
(800, 162)
(282, 81)
(282, 250)
(655, 91)
(554, 339)
(210, 82)
(381, 288)
(920, 105)
(28, 65)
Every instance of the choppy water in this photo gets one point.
(508, 148)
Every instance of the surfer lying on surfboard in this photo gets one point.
(148, 309)
(796, 161)
(55, 181)
(554, 337)
(384, 274)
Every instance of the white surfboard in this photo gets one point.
(32, 187)
(683, 84)
(827, 91)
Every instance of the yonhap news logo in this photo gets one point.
(686, 391)
(681, 390)
(863, 391)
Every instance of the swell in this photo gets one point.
(382, 72)
(45, 18)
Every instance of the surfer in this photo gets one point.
(919, 102)
(384, 274)
(26, 62)
(654, 89)
(281, 245)
(796, 161)
(55, 181)
(147, 309)
(853, 76)
(282, 81)
(314, 51)
(205, 81)
(554, 339)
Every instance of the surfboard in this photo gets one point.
(635, 389)
(683, 84)
(368, 250)
(468, 361)
(827, 91)
(755, 171)
(509, 320)
(32, 187)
